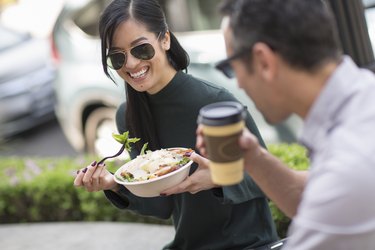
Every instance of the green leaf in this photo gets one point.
(144, 147)
(121, 138)
(125, 140)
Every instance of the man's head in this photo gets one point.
(303, 32)
(269, 39)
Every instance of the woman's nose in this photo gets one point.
(131, 61)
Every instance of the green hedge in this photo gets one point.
(39, 190)
(295, 156)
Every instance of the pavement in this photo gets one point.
(84, 235)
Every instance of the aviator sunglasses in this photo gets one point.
(117, 58)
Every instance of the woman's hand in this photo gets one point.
(198, 181)
(95, 178)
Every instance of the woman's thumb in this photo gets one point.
(200, 160)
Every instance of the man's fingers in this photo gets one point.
(247, 140)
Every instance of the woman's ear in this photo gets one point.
(166, 41)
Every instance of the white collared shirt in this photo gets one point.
(337, 211)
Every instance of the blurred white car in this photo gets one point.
(87, 99)
(26, 75)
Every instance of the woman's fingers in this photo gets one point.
(87, 178)
(96, 177)
(81, 175)
(180, 188)
(78, 180)
(84, 177)
(201, 161)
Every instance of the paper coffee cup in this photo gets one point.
(222, 124)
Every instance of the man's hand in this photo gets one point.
(200, 145)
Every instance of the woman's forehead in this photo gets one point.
(131, 32)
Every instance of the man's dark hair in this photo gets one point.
(303, 32)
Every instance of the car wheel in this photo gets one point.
(99, 127)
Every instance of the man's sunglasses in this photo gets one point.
(225, 67)
(117, 58)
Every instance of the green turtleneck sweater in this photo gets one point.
(232, 217)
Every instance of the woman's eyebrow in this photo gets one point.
(138, 40)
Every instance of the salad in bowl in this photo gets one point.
(151, 172)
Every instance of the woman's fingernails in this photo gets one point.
(78, 171)
(188, 154)
(84, 170)
(93, 163)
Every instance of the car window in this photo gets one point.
(10, 38)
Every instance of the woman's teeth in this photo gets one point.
(138, 74)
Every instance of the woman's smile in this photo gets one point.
(139, 74)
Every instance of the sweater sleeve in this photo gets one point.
(245, 191)
(160, 207)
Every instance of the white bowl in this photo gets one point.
(153, 187)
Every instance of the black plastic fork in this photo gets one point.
(115, 155)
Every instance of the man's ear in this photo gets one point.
(265, 61)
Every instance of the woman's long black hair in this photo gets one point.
(138, 117)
